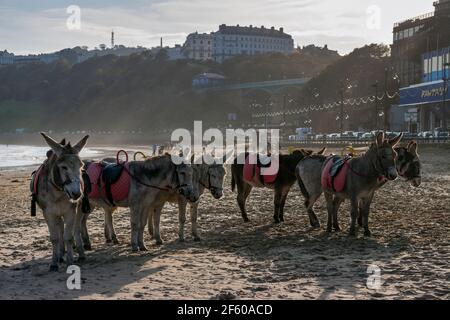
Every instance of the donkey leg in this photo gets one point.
(354, 216)
(182, 203)
(244, 190)
(110, 233)
(135, 221)
(69, 223)
(53, 223)
(365, 215)
(284, 195)
(277, 205)
(360, 214)
(143, 222)
(330, 208)
(61, 247)
(309, 204)
(194, 226)
(336, 205)
(77, 235)
(84, 233)
(156, 223)
(150, 223)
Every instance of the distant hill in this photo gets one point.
(139, 91)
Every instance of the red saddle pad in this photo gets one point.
(252, 173)
(337, 183)
(119, 190)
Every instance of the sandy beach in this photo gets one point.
(258, 260)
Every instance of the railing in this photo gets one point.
(421, 17)
(359, 142)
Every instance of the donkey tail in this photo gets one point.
(233, 183)
(303, 189)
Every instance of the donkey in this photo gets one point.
(58, 188)
(149, 179)
(205, 176)
(282, 184)
(365, 175)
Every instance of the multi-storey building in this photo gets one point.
(421, 57)
(198, 46)
(230, 41)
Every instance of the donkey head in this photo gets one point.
(386, 155)
(184, 186)
(408, 164)
(66, 172)
(216, 175)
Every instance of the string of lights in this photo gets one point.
(329, 106)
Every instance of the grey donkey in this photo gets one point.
(149, 179)
(362, 180)
(205, 177)
(59, 190)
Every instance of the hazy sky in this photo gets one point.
(40, 26)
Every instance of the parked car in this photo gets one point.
(321, 136)
(425, 134)
(368, 135)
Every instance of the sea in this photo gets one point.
(16, 156)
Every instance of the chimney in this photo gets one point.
(161, 43)
(281, 30)
(251, 26)
(272, 28)
(262, 27)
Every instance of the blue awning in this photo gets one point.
(424, 93)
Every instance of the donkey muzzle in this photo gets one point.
(392, 173)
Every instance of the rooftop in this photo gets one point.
(254, 31)
(415, 19)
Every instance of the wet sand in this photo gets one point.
(260, 260)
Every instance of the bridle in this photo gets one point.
(59, 185)
(210, 187)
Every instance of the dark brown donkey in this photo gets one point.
(282, 184)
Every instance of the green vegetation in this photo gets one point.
(148, 92)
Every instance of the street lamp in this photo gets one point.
(444, 95)
(376, 104)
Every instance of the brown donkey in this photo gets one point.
(57, 188)
(282, 184)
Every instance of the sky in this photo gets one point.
(42, 26)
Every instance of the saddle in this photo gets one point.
(110, 180)
(252, 171)
(334, 173)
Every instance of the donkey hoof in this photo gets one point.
(54, 268)
(181, 240)
(367, 233)
(159, 242)
(329, 230)
(352, 233)
(337, 228)
(108, 241)
(143, 248)
(246, 219)
(115, 240)
(87, 247)
(197, 239)
(134, 248)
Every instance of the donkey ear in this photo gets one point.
(56, 147)
(394, 141)
(63, 142)
(322, 152)
(80, 145)
(412, 147)
(380, 138)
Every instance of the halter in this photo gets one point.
(209, 186)
(60, 186)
